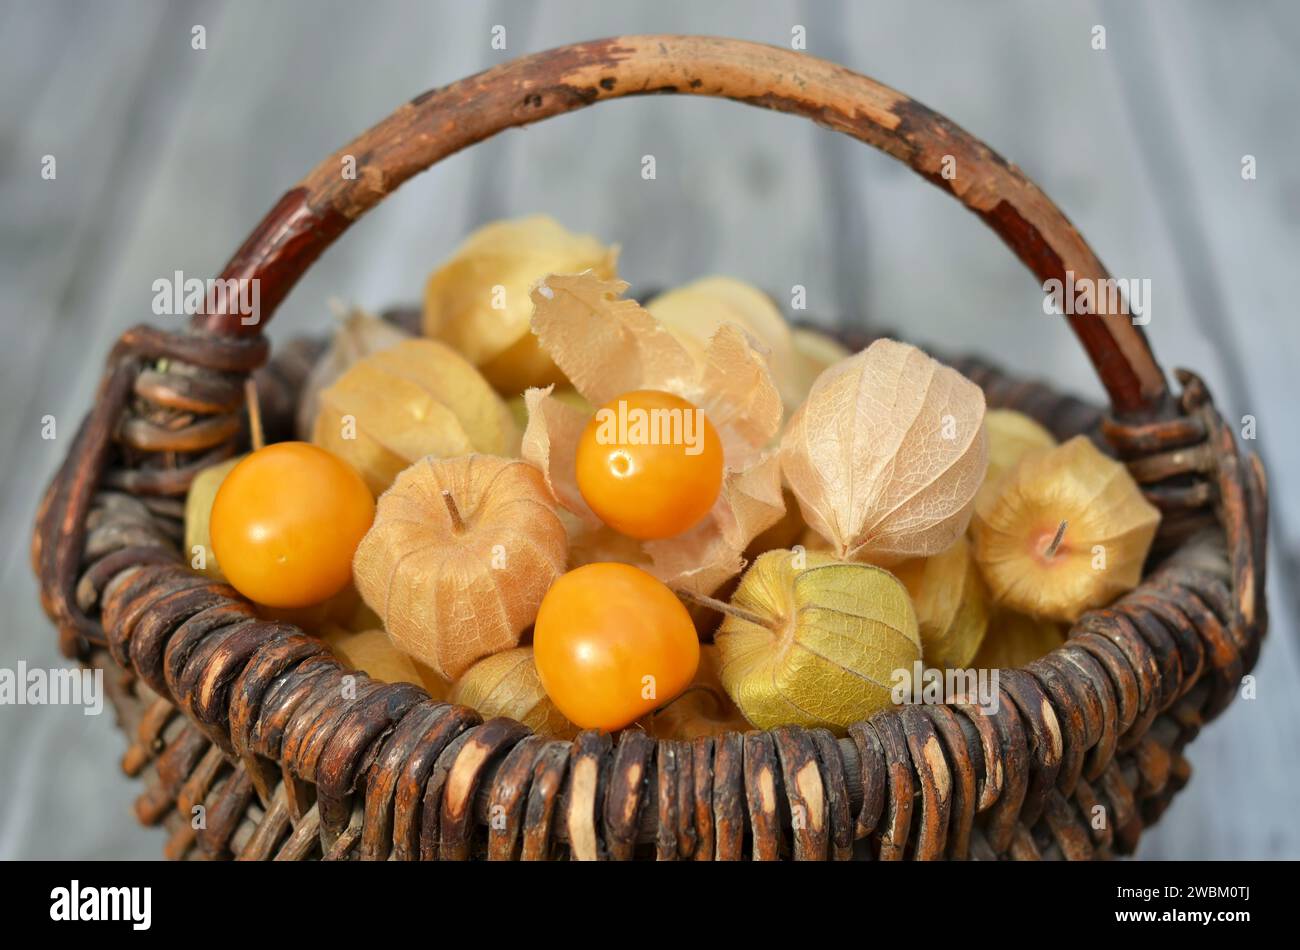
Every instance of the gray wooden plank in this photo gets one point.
(96, 112)
(277, 89)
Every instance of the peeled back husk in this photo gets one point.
(694, 312)
(824, 642)
(564, 394)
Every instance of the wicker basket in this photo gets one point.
(244, 721)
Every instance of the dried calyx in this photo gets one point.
(458, 559)
(887, 454)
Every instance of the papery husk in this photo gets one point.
(712, 552)
(374, 654)
(1011, 436)
(1102, 508)
(704, 709)
(550, 442)
(887, 454)
(359, 334)
(565, 394)
(507, 684)
(608, 346)
(450, 593)
(695, 311)
(951, 602)
(512, 255)
(1015, 640)
(198, 517)
(832, 636)
(418, 398)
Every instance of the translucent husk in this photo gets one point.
(887, 454)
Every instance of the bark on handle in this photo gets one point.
(444, 121)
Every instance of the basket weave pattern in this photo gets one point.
(253, 722)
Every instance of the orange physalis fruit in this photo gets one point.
(650, 464)
(611, 644)
(286, 522)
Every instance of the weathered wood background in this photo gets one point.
(166, 157)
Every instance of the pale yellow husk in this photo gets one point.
(1109, 527)
(1015, 640)
(415, 399)
(358, 335)
(198, 517)
(1011, 436)
(478, 301)
(374, 654)
(952, 604)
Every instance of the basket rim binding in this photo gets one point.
(386, 772)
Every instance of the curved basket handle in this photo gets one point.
(443, 121)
